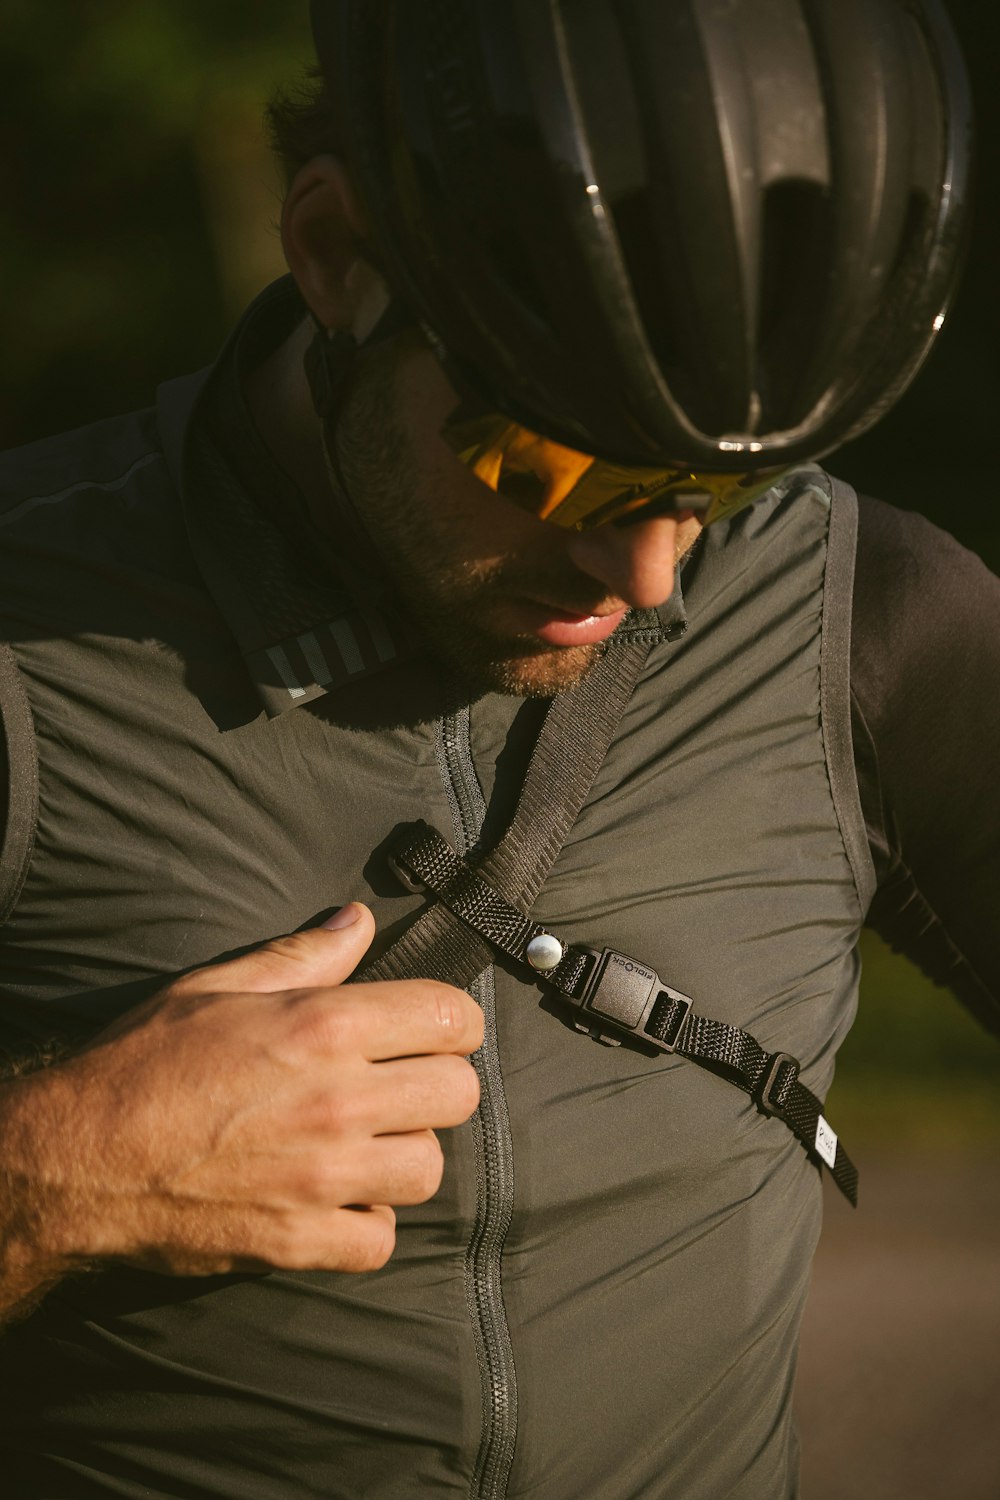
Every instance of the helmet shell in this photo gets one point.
(714, 234)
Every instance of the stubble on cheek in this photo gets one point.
(453, 607)
(433, 541)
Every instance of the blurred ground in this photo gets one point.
(899, 1374)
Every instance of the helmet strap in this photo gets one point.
(331, 356)
(330, 363)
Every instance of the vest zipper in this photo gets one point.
(494, 1162)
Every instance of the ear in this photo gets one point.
(322, 226)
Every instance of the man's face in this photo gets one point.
(511, 602)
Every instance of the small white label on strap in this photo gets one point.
(826, 1143)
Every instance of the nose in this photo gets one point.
(636, 563)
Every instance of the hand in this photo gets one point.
(255, 1114)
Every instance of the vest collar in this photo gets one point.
(300, 632)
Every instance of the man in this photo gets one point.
(251, 644)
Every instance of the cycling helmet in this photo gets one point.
(672, 233)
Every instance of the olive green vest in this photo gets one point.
(603, 1300)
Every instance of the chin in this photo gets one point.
(538, 675)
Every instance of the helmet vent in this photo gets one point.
(797, 233)
(704, 373)
(642, 225)
(467, 173)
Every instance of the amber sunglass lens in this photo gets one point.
(578, 492)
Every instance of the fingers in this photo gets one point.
(356, 1239)
(441, 1091)
(319, 956)
(376, 1021)
(399, 1018)
(394, 1169)
(276, 1112)
(366, 1238)
(425, 1093)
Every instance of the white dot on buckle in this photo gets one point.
(544, 952)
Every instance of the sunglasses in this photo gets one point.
(578, 491)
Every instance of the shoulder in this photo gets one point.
(924, 607)
(925, 658)
(906, 563)
(925, 642)
(80, 514)
(74, 496)
(54, 471)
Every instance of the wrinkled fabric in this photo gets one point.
(658, 1256)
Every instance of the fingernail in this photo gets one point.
(345, 917)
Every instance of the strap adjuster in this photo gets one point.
(617, 997)
(406, 878)
(767, 1088)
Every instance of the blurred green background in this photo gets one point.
(138, 213)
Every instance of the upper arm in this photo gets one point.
(925, 670)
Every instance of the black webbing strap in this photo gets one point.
(616, 995)
(576, 734)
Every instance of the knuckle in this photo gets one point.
(459, 1089)
(324, 1024)
(374, 1246)
(294, 948)
(426, 1167)
(321, 1181)
(285, 1246)
(338, 1114)
(468, 1088)
(454, 1013)
(197, 984)
(342, 1240)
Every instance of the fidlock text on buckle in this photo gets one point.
(620, 994)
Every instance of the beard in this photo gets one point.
(431, 525)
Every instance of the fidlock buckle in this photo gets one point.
(769, 1081)
(625, 993)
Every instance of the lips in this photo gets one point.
(557, 627)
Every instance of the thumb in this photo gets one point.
(323, 955)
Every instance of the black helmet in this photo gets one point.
(701, 233)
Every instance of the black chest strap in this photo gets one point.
(615, 996)
(480, 909)
(576, 734)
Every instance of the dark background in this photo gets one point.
(138, 212)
